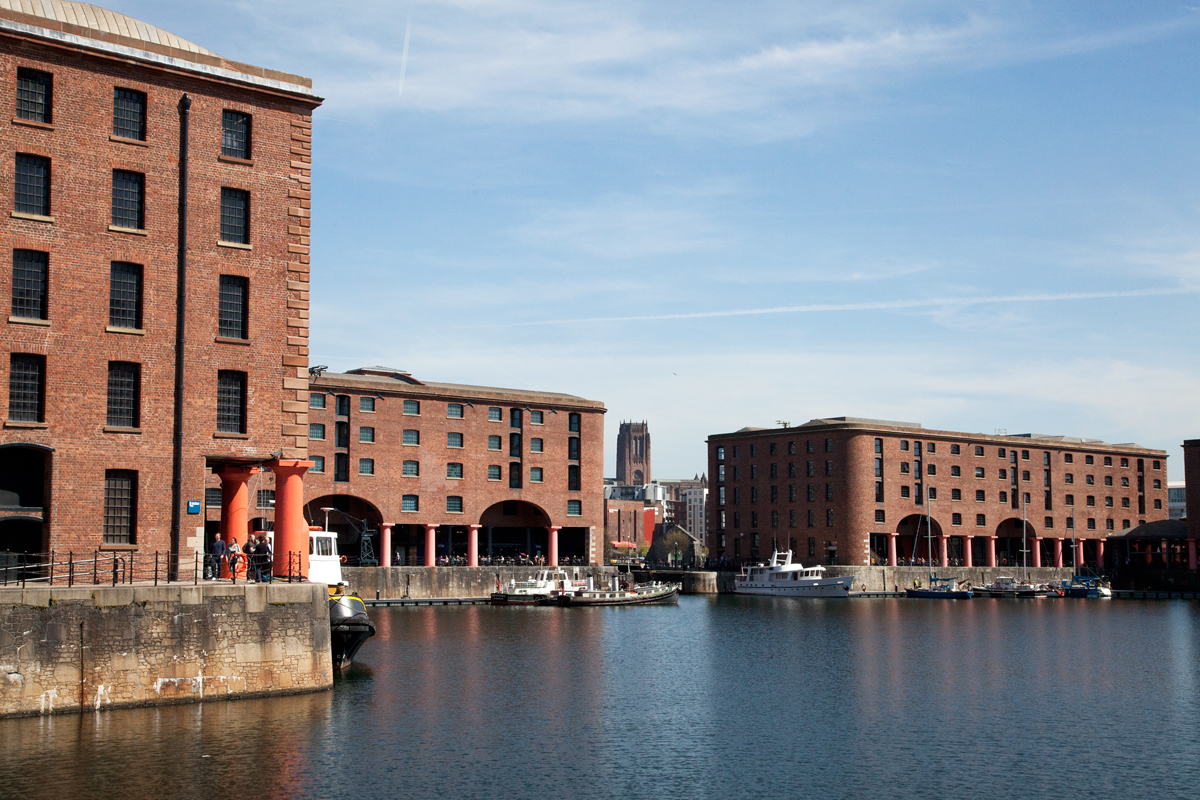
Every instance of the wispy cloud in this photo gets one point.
(881, 305)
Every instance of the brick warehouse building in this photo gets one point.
(853, 491)
(448, 469)
(112, 205)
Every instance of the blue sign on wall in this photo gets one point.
(193, 506)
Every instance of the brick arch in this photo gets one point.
(916, 525)
(528, 515)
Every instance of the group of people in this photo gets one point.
(254, 559)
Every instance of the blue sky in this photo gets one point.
(971, 215)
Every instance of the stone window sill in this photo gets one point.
(124, 140)
(134, 231)
(230, 340)
(45, 323)
(29, 123)
(119, 429)
(246, 162)
(220, 435)
(119, 548)
(128, 331)
(10, 423)
(32, 217)
(235, 245)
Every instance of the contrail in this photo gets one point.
(404, 55)
(882, 305)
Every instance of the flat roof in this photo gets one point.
(916, 430)
(85, 26)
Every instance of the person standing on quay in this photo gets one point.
(214, 557)
(235, 555)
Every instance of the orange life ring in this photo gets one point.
(343, 559)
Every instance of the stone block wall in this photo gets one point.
(422, 583)
(109, 647)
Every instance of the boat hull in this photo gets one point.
(507, 599)
(934, 594)
(822, 587)
(620, 598)
(349, 629)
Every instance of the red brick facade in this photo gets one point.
(833, 490)
(451, 490)
(73, 445)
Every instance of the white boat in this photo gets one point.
(782, 578)
(544, 585)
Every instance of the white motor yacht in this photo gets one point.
(540, 588)
(782, 578)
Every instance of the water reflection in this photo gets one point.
(718, 697)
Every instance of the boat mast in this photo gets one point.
(1024, 546)
(929, 534)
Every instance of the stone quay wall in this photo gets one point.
(421, 583)
(874, 579)
(86, 649)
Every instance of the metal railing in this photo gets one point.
(107, 568)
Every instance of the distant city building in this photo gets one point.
(1177, 499)
(633, 454)
(696, 501)
(858, 491)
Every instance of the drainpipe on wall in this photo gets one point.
(185, 104)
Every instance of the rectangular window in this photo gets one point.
(128, 199)
(514, 475)
(792, 519)
(495, 414)
(514, 417)
(125, 295)
(454, 504)
(535, 474)
(878, 491)
(366, 404)
(956, 519)
(233, 321)
(574, 508)
(1003, 497)
(318, 464)
(120, 506)
(1069, 458)
(753, 471)
(573, 478)
(720, 454)
(536, 417)
(454, 410)
(535, 445)
(829, 445)
(1108, 525)
(341, 467)
(980, 520)
(342, 405)
(235, 134)
(235, 215)
(231, 401)
(412, 407)
(412, 437)
(956, 494)
(366, 435)
(493, 443)
(514, 445)
(980, 496)
(27, 387)
(1108, 461)
(573, 448)
(979, 472)
(35, 95)
(879, 515)
(129, 114)
(266, 498)
(932, 492)
(753, 450)
(1091, 524)
(573, 423)
(812, 493)
(341, 434)
(124, 394)
(829, 518)
(410, 469)
(316, 400)
(33, 185)
(212, 497)
(905, 492)
(366, 466)
(955, 450)
(829, 491)
(30, 279)
(494, 472)
(1089, 460)
(410, 502)
(454, 440)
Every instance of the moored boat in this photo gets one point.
(1081, 586)
(942, 589)
(782, 578)
(541, 589)
(1010, 587)
(349, 626)
(619, 594)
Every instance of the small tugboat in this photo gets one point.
(1008, 586)
(541, 589)
(349, 625)
(1081, 586)
(618, 593)
(782, 578)
(942, 589)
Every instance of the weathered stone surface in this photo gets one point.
(151, 645)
